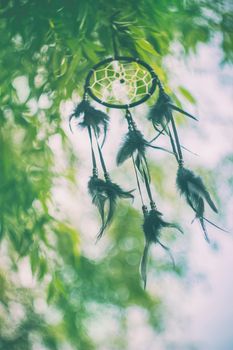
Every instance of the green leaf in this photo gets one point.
(51, 291)
(34, 258)
(1, 229)
(42, 268)
(145, 45)
(187, 95)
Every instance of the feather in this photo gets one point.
(143, 264)
(133, 142)
(193, 187)
(157, 112)
(105, 193)
(113, 192)
(160, 114)
(96, 188)
(91, 117)
(196, 194)
(152, 226)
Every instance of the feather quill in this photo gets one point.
(152, 226)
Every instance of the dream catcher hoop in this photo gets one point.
(121, 82)
(125, 82)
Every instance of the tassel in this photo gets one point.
(92, 117)
(196, 194)
(152, 226)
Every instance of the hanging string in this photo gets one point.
(179, 151)
(130, 121)
(146, 175)
(159, 133)
(94, 164)
(138, 183)
(173, 145)
(113, 30)
(106, 175)
(114, 44)
(147, 183)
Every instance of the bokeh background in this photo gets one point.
(58, 289)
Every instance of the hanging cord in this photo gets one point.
(147, 183)
(160, 132)
(160, 85)
(106, 174)
(131, 124)
(94, 164)
(132, 127)
(173, 145)
(113, 30)
(114, 44)
(138, 182)
(178, 146)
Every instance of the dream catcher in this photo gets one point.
(123, 83)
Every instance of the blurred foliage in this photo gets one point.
(46, 50)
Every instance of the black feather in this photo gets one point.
(133, 142)
(104, 196)
(91, 117)
(113, 192)
(160, 114)
(152, 226)
(192, 185)
(196, 194)
(96, 188)
(157, 112)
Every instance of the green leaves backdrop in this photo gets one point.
(46, 50)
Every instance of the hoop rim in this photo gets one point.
(127, 59)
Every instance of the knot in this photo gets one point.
(144, 209)
(106, 176)
(131, 124)
(181, 163)
(152, 205)
(95, 172)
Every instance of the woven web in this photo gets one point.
(121, 82)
